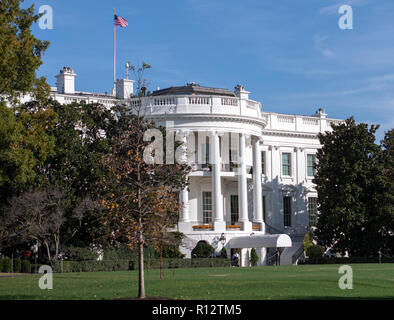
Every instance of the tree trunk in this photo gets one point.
(57, 247)
(141, 278)
(48, 252)
(161, 262)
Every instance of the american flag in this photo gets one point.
(119, 21)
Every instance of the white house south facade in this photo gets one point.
(252, 170)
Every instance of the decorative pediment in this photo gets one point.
(288, 189)
(310, 189)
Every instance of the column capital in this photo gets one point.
(257, 138)
(216, 133)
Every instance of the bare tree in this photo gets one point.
(39, 216)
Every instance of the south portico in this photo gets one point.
(218, 179)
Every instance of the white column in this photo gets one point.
(242, 186)
(217, 199)
(257, 193)
(184, 198)
(184, 224)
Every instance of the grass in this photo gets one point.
(370, 281)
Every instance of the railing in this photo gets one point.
(297, 254)
(229, 102)
(312, 124)
(286, 119)
(161, 101)
(199, 100)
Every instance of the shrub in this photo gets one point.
(1, 264)
(170, 252)
(6, 267)
(26, 266)
(315, 252)
(202, 250)
(223, 253)
(254, 258)
(80, 254)
(307, 241)
(17, 265)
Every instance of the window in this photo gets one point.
(312, 209)
(286, 164)
(207, 207)
(264, 209)
(310, 163)
(287, 211)
(234, 209)
(263, 168)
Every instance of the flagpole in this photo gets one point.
(114, 84)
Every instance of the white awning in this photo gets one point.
(261, 241)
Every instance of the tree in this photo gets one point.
(387, 203)
(349, 181)
(254, 258)
(37, 216)
(202, 250)
(25, 143)
(77, 166)
(142, 192)
(20, 51)
(307, 242)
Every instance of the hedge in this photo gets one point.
(17, 265)
(124, 265)
(6, 265)
(345, 260)
(26, 266)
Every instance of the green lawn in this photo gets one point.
(371, 281)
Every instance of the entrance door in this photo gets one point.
(234, 209)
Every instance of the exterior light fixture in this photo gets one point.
(222, 239)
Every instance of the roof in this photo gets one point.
(193, 88)
(261, 241)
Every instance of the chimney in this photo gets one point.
(66, 81)
(240, 92)
(124, 88)
(320, 113)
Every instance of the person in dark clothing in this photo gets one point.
(278, 257)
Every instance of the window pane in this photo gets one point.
(310, 165)
(312, 209)
(234, 209)
(286, 164)
(263, 162)
(207, 207)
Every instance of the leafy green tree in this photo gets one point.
(254, 258)
(21, 52)
(24, 142)
(307, 242)
(202, 250)
(315, 251)
(24, 146)
(350, 183)
(387, 203)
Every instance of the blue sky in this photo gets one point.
(290, 54)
